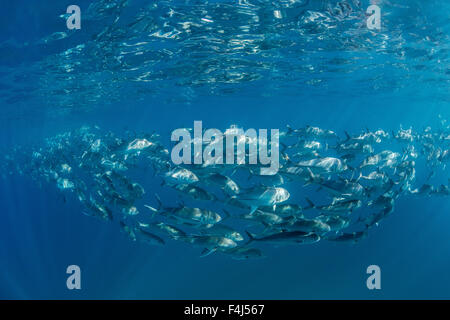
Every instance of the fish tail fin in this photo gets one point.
(347, 136)
(251, 237)
(227, 214)
(359, 177)
(266, 226)
(289, 129)
(312, 178)
(311, 205)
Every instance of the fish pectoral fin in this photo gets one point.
(207, 252)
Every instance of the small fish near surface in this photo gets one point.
(262, 196)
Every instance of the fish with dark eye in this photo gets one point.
(222, 230)
(190, 216)
(339, 205)
(113, 165)
(306, 225)
(228, 186)
(138, 145)
(179, 176)
(293, 172)
(381, 160)
(336, 223)
(266, 218)
(195, 192)
(344, 188)
(324, 165)
(261, 196)
(99, 210)
(303, 149)
(366, 138)
(285, 210)
(170, 230)
(376, 177)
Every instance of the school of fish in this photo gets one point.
(328, 187)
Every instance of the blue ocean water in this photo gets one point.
(160, 65)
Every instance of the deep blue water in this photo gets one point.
(242, 66)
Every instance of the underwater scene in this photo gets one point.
(225, 149)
